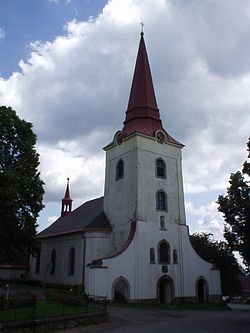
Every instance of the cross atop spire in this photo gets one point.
(142, 26)
(142, 114)
(66, 201)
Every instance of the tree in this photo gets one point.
(235, 206)
(221, 256)
(21, 189)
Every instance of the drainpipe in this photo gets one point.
(83, 261)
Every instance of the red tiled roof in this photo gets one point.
(89, 216)
(142, 114)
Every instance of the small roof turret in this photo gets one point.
(66, 201)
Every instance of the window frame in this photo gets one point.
(38, 263)
(161, 201)
(175, 256)
(164, 258)
(152, 255)
(162, 222)
(71, 261)
(160, 170)
(53, 262)
(119, 172)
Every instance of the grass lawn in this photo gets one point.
(43, 309)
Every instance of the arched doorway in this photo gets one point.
(165, 290)
(202, 290)
(121, 290)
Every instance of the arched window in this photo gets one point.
(71, 263)
(175, 257)
(53, 262)
(163, 252)
(161, 200)
(152, 255)
(37, 267)
(160, 167)
(119, 170)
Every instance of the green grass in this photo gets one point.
(182, 306)
(43, 309)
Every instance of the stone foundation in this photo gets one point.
(179, 300)
(211, 299)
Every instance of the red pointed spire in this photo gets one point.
(142, 114)
(66, 201)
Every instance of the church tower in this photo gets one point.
(143, 162)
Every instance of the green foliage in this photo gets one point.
(42, 309)
(235, 206)
(21, 189)
(221, 256)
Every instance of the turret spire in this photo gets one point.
(142, 114)
(66, 201)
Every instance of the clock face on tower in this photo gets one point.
(119, 138)
(160, 137)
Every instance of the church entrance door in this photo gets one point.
(121, 290)
(165, 290)
(202, 290)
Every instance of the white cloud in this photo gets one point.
(52, 219)
(75, 89)
(70, 159)
(208, 219)
(57, 1)
(2, 33)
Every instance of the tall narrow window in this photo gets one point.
(37, 267)
(175, 257)
(53, 262)
(160, 166)
(152, 255)
(161, 200)
(71, 264)
(119, 170)
(163, 252)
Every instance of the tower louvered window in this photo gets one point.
(119, 170)
(160, 168)
(161, 200)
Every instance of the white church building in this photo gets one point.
(133, 243)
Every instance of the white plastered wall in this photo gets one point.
(62, 247)
(134, 266)
(134, 196)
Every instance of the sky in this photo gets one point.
(66, 66)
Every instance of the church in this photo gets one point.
(133, 243)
